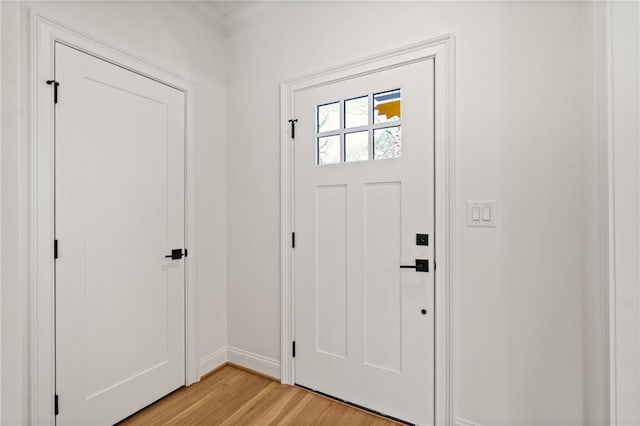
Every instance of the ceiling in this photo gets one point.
(226, 17)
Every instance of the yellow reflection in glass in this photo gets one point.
(387, 106)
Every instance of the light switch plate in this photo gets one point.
(481, 214)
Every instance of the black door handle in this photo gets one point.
(175, 254)
(422, 265)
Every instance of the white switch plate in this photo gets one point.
(481, 214)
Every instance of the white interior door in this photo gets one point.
(119, 185)
(364, 189)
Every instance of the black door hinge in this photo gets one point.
(55, 249)
(293, 128)
(293, 352)
(293, 240)
(55, 404)
(55, 89)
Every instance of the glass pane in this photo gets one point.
(387, 143)
(386, 106)
(328, 117)
(356, 146)
(329, 149)
(356, 112)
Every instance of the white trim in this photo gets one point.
(606, 200)
(44, 33)
(227, 25)
(251, 15)
(213, 361)
(0, 216)
(464, 422)
(253, 361)
(623, 393)
(442, 50)
(200, 12)
(638, 236)
(605, 118)
(597, 402)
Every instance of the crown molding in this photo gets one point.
(206, 16)
(249, 16)
(233, 22)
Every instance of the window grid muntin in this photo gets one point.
(342, 131)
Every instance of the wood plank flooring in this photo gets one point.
(232, 396)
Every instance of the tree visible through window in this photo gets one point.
(387, 143)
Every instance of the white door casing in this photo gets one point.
(364, 326)
(119, 210)
(442, 50)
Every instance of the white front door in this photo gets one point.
(119, 210)
(364, 206)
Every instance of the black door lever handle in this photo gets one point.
(422, 265)
(175, 254)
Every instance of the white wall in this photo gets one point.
(624, 75)
(12, 293)
(162, 36)
(523, 138)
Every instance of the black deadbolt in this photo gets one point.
(424, 312)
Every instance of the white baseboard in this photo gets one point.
(213, 361)
(255, 362)
(463, 422)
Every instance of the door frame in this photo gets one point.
(45, 32)
(442, 50)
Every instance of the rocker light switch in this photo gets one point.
(481, 214)
(486, 214)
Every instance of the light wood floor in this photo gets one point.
(234, 396)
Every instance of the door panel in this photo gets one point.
(382, 222)
(361, 334)
(331, 289)
(119, 210)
